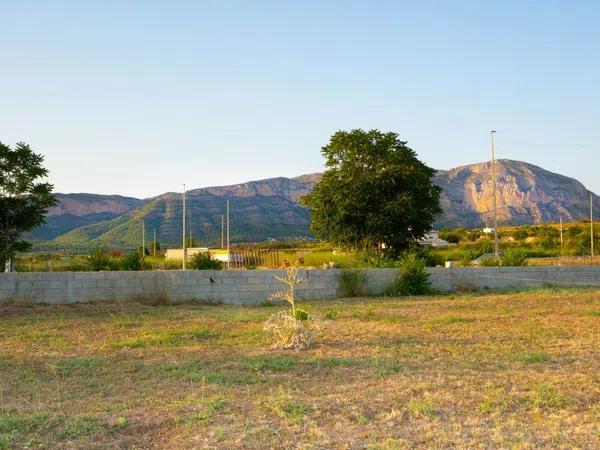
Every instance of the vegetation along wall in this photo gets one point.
(248, 287)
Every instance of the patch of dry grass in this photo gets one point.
(468, 371)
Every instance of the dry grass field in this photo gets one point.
(466, 371)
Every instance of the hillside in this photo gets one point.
(269, 208)
(527, 194)
(259, 210)
(76, 210)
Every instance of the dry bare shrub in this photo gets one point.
(291, 279)
(288, 332)
(289, 329)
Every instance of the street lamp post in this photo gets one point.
(496, 246)
(183, 219)
(592, 226)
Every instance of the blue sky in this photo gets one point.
(137, 98)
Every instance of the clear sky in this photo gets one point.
(136, 98)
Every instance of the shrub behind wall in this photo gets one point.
(352, 283)
(413, 278)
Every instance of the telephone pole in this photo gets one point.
(496, 246)
(183, 227)
(228, 251)
(592, 226)
(143, 238)
(222, 231)
(561, 236)
(154, 243)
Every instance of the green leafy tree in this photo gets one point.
(24, 197)
(375, 191)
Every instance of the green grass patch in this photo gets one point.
(47, 338)
(283, 405)
(82, 366)
(391, 319)
(387, 367)
(270, 363)
(195, 371)
(548, 397)
(126, 323)
(447, 319)
(530, 358)
(80, 426)
(211, 407)
(25, 431)
(423, 407)
(29, 431)
(334, 362)
(331, 314)
(173, 338)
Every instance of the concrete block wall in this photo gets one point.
(524, 277)
(247, 287)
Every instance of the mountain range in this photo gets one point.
(269, 209)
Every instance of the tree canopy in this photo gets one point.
(375, 191)
(24, 197)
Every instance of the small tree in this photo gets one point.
(24, 198)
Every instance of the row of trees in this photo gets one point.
(576, 238)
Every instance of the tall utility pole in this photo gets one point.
(561, 236)
(154, 243)
(143, 238)
(183, 228)
(496, 246)
(592, 225)
(222, 231)
(228, 254)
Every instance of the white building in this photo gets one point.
(432, 239)
(177, 253)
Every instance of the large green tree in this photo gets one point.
(24, 197)
(375, 191)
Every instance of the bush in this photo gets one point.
(204, 261)
(301, 314)
(453, 237)
(134, 262)
(351, 283)
(287, 332)
(413, 278)
(467, 256)
(430, 257)
(514, 257)
(490, 262)
(520, 234)
(473, 235)
(486, 247)
(549, 238)
(98, 259)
